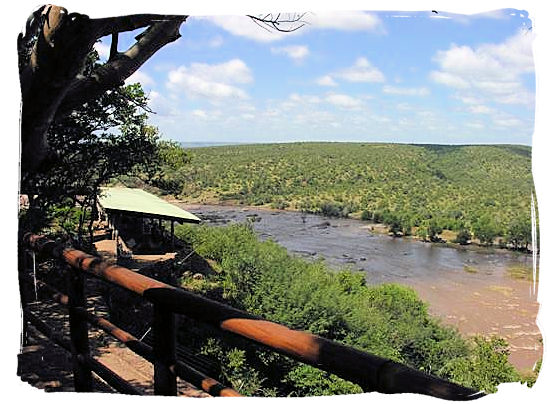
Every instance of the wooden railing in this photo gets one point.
(371, 372)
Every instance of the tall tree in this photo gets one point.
(52, 55)
(104, 138)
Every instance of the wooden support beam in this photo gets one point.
(24, 291)
(164, 328)
(83, 381)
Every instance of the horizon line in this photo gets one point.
(229, 142)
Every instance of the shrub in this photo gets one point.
(463, 237)
(485, 367)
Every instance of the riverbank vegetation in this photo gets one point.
(481, 192)
(388, 320)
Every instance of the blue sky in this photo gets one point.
(416, 77)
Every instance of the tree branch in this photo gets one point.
(113, 52)
(114, 72)
(289, 24)
(106, 26)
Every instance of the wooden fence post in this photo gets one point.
(78, 330)
(164, 329)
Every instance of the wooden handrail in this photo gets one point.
(371, 372)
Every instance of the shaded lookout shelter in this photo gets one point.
(136, 219)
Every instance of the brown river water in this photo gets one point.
(469, 289)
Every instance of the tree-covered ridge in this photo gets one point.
(482, 189)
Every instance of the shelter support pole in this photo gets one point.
(172, 234)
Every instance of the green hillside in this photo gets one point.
(418, 188)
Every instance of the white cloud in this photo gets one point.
(299, 98)
(272, 113)
(161, 105)
(475, 125)
(467, 19)
(200, 113)
(245, 107)
(295, 100)
(211, 115)
(214, 82)
(480, 109)
(103, 50)
(413, 91)
(361, 72)
(295, 52)
(490, 71)
(468, 99)
(248, 116)
(507, 122)
(380, 118)
(140, 77)
(243, 26)
(346, 21)
(326, 81)
(216, 42)
(449, 79)
(344, 101)
(233, 71)
(404, 106)
(195, 86)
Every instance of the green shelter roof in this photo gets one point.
(138, 201)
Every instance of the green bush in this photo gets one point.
(366, 215)
(519, 233)
(486, 229)
(485, 367)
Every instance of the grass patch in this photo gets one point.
(520, 272)
(506, 291)
(470, 270)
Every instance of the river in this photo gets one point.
(469, 289)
